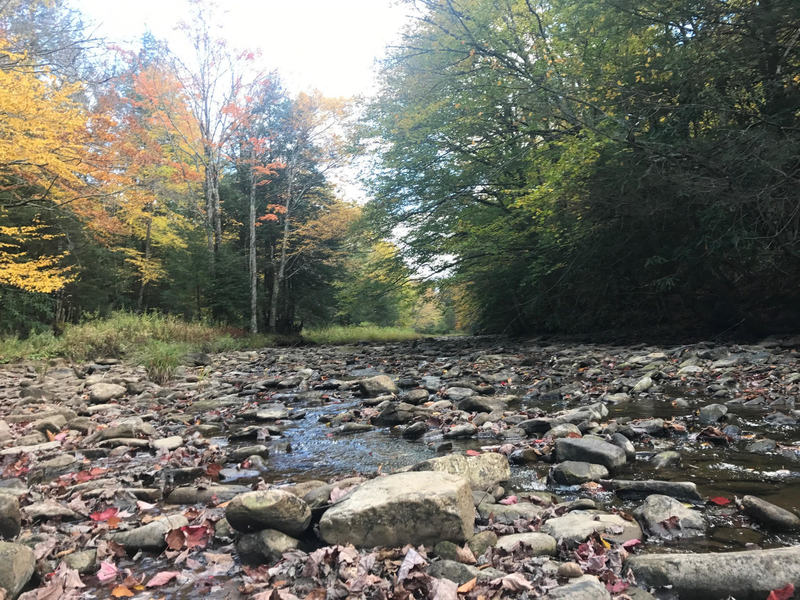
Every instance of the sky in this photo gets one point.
(330, 45)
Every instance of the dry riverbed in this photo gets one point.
(451, 468)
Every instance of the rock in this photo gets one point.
(167, 444)
(17, 562)
(214, 493)
(267, 544)
(572, 472)
(10, 517)
(239, 454)
(483, 471)
(103, 392)
(664, 517)
(576, 526)
(460, 431)
(585, 587)
(396, 413)
(49, 509)
(647, 427)
(508, 513)
(480, 542)
(52, 424)
(644, 384)
(535, 543)
(482, 404)
(377, 386)
(690, 370)
(668, 458)
(683, 490)
(272, 412)
(618, 398)
(151, 536)
(563, 430)
(458, 394)
(415, 430)
(569, 570)
(747, 575)
(592, 450)
(416, 396)
(269, 509)
(461, 573)
(620, 440)
(762, 446)
(770, 515)
(523, 456)
(712, 413)
(83, 561)
(416, 507)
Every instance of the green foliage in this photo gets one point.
(160, 358)
(349, 334)
(596, 164)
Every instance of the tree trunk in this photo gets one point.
(252, 257)
(140, 301)
(277, 280)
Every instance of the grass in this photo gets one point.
(161, 342)
(154, 340)
(337, 334)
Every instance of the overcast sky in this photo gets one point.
(330, 45)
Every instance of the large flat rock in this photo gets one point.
(574, 527)
(422, 507)
(483, 471)
(748, 575)
(590, 450)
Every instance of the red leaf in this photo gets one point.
(783, 593)
(162, 578)
(719, 501)
(104, 515)
(509, 500)
(631, 543)
(195, 535)
(107, 572)
(473, 453)
(618, 586)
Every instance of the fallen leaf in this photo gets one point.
(467, 587)
(175, 539)
(196, 535)
(121, 592)
(411, 560)
(104, 515)
(142, 505)
(783, 593)
(631, 543)
(107, 571)
(720, 501)
(162, 578)
(509, 500)
(472, 453)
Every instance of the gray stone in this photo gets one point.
(762, 446)
(573, 472)
(769, 515)
(508, 513)
(272, 412)
(683, 490)
(269, 509)
(576, 526)
(585, 587)
(17, 562)
(417, 507)
(747, 575)
(396, 413)
(167, 444)
(483, 404)
(668, 458)
(461, 573)
(461, 431)
(592, 450)
(415, 430)
(10, 517)
(416, 396)
(377, 386)
(644, 384)
(534, 542)
(712, 413)
(239, 454)
(627, 446)
(52, 424)
(103, 392)
(150, 536)
(665, 517)
(49, 509)
(563, 430)
(483, 471)
(457, 394)
(267, 544)
(480, 542)
(83, 561)
(647, 426)
(191, 494)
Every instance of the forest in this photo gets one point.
(531, 167)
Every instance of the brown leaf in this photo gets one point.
(121, 592)
(467, 587)
(175, 539)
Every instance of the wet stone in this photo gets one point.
(585, 587)
(666, 459)
(572, 472)
(667, 518)
(10, 517)
(592, 450)
(770, 515)
(712, 413)
(269, 509)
